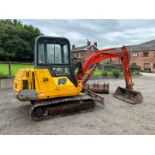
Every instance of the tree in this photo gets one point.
(17, 40)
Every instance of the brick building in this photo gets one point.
(84, 51)
(143, 55)
(145, 59)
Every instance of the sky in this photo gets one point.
(106, 32)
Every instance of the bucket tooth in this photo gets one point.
(130, 96)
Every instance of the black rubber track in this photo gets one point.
(61, 107)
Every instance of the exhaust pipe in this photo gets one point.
(128, 95)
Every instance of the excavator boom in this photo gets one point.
(127, 94)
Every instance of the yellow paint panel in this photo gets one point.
(46, 85)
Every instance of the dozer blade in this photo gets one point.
(130, 96)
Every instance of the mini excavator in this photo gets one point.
(52, 86)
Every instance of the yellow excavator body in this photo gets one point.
(44, 85)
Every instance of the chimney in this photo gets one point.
(95, 43)
(73, 46)
(88, 42)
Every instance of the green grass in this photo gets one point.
(110, 73)
(4, 68)
(97, 73)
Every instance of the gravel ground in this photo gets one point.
(117, 117)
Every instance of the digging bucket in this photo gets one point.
(99, 88)
(130, 96)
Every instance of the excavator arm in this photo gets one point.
(102, 55)
(126, 94)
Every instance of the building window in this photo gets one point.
(145, 54)
(79, 55)
(147, 65)
(153, 66)
(135, 54)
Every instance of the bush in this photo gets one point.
(116, 74)
(100, 67)
(111, 66)
(5, 76)
(136, 68)
(108, 66)
(104, 73)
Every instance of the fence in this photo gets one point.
(16, 62)
(9, 69)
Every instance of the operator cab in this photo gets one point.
(54, 53)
